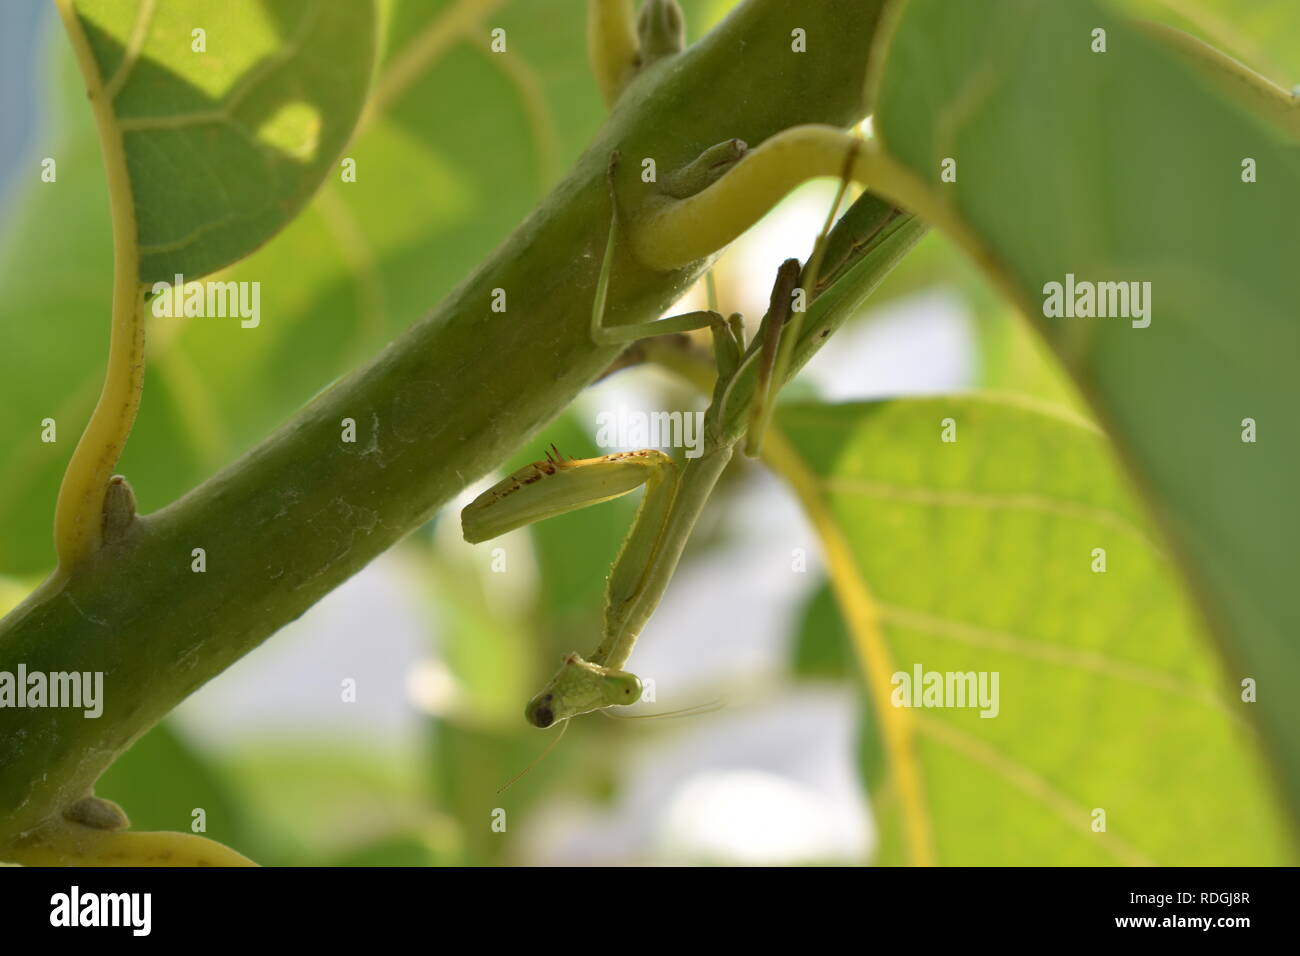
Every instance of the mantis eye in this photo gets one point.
(622, 688)
(539, 712)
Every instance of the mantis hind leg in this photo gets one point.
(623, 334)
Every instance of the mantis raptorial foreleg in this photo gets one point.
(641, 572)
(557, 485)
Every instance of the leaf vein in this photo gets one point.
(1028, 783)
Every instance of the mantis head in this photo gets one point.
(579, 687)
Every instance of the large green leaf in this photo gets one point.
(1127, 166)
(978, 555)
(229, 115)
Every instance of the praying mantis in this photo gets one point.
(748, 375)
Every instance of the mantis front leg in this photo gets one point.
(554, 486)
(650, 554)
(641, 572)
(640, 576)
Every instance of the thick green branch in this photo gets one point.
(442, 405)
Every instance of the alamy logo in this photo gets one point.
(74, 689)
(632, 429)
(208, 299)
(1101, 300)
(923, 688)
(75, 908)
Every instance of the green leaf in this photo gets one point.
(228, 115)
(978, 555)
(1127, 166)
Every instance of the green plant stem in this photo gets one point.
(81, 493)
(443, 404)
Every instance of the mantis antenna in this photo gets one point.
(536, 760)
(694, 710)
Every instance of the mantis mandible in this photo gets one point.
(674, 494)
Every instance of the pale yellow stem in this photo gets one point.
(861, 614)
(611, 45)
(672, 233)
(1232, 76)
(64, 843)
(78, 512)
